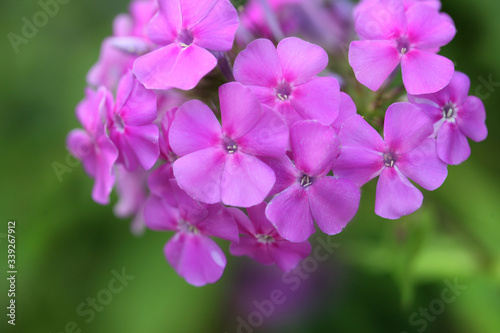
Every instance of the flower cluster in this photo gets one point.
(212, 121)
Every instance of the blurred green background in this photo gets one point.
(378, 280)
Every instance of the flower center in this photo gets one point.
(389, 159)
(449, 111)
(187, 227)
(185, 38)
(403, 46)
(265, 239)
(283, 91)
(306, 180)
(229, 145)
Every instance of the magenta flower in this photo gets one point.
(185, 31)
(456, 117)
(306, 192)
(222, 164)
(261, 241)
(92, 146)
(392, 36)
(284, 78)
(191, 252)
(407, 152)
(130, 124)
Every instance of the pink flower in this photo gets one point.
(407, 152)
(392, 36)
(456, 117)
(222, 164)
(185, 31)
(307, 194)
(284, 78)
(346, 110)
(130, 124)
(191, 252)
(261, 241)
(92, 145)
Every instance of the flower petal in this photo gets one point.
(357, 133)
(269, 137)
(287, 255)
(160, 216)
(257, 214)
(318, 98)
(334, 202)
(285, 171)
(300, 60)
(405, 127)
(104, 172)
(423, 166)
(173, 66)
(196, 258)
(381, 20)
(143, 141)
(219, 223)
(396, 196)
(195, 127)
(245, 226)
(427, 28)
(315, 147)
(425, 72)
(289, 212)
(200, 174)
(134, 103)
(246, 180)
(240, 109)
(347, 109)
(165, 25)
(358, 164)
(249, 246)
(471, 117)
(373, 61)
(215, 30)
(452, 145)
(258, 64)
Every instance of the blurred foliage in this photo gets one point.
(383, 272)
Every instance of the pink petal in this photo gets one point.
(135, 104)
(357, 133)
(358, 164)
(459, 88)
(265, 95)
(245, 226)
(165, 25)
(106, 156)
(423, 166)
(471, 117)
(190, 210)
(452, 145)
(285, 171)
(200, 174)
(240, 109)
(300, 60)
(246, 180)
(373, 61)
(160, 216)
(315, 147)
(216, 29)
(251, 247)
(159, 183)
(425, 72)
(80, 145)
(287, 255)
(258, 64)
(91, 112)
(144, 141)
(219, 223)
(427, 29)
(396, 196)
(173, 66)
(381, 20)
(289, 113)
(289, 212)
(318, 98)
(195, 127)
(405, 127)
(269, 137)
(196, 258)
(334, 202)
(257, 215)
(347, 109)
